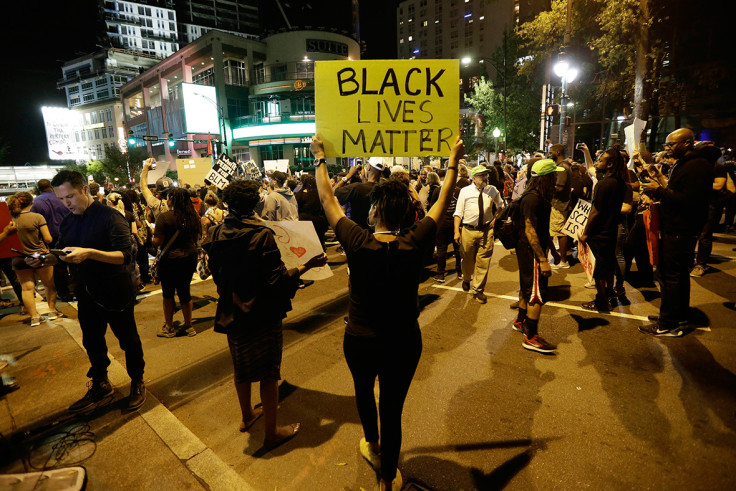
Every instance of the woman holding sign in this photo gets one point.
(381, 343)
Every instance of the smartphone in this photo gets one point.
(24, 254)
(153, 165)
(59, 252)
(579, 146)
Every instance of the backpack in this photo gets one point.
(506, 227)
(508, 186)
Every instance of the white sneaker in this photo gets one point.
(561, 265)
(590, 285)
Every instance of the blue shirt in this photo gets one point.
(52, 209)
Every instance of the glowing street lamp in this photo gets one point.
(567, 73)
(496, 133)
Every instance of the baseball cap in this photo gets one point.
(544, 167)
(163, 184)
(377, 163)
(478, 169)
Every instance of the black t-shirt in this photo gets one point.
(103, 228)
(308, 204)
(537, 210)
(608, 196)
(377, 268)
(358, 196)
(185, 244)
(564, 179)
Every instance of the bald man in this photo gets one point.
(683, 212)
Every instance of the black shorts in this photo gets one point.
(605, 257)
(532, 285)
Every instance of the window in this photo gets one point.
(76, 136)
(97, 134)
(422, 3)
(424, 24)
(453, 35)
(110, 132)
(101, 94)
(104, 133)
(74, 100)
(86, 85)
(94, 117)
(89, 135)
(102, 116)
(453, 24)
(84, 135)
(74, 89)
(109, 115)
(88, 97)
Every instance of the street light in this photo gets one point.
(567, 73)
(496, 134)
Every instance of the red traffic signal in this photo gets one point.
(553, 110)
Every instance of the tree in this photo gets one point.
(116, 163)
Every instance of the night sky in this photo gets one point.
(61, 31)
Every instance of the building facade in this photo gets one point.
(264, 94)
(145, 27)
(92, 84)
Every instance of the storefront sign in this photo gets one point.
(324, 46)
(387, 107)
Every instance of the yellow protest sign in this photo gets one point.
(404, 108)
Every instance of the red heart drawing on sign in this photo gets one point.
(299, 251)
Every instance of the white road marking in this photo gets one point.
(563, 306)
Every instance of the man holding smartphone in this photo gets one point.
(96, 240)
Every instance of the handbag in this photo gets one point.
(157, 259)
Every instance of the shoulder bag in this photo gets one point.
(157, 259)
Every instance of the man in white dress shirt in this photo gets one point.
(474, 229)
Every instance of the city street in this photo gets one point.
(613, 409)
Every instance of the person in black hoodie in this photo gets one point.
(255, 291)
(683, 212)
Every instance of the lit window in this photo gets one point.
(410, 38)
(424, 24)
(401, 41)
(482, 17)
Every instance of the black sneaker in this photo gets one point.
(655, 318)
(597, 306)
(514, 305)
(440, 278)
(654, 330)
(536, 343)
(99, 391)
(466, 286)
(137, 395)
(480, 297)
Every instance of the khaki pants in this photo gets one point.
(476, 248)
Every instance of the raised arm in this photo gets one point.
(438, 209)
(332, 208)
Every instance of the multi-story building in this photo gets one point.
(197, 17)
(92, 87)
(145, 26)
(263, 92)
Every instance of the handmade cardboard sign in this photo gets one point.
(222, 172)
(577, 220)
(193, 171)
(387, 107)
(587, 259)
(298, 242)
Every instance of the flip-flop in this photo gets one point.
(271, 445)
(246, 425)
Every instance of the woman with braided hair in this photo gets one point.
(177, 266)
(381, 343)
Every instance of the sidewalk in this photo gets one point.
(148, 448)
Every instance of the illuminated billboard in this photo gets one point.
(274, 130)
(200, 109)
(60, 124)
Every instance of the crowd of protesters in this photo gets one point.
(389, 222)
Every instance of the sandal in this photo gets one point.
(246, 425)
(270, 445)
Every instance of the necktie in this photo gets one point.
(480, 209)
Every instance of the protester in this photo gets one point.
(602, 228)
(180, 229)
(715, 208)
(280, 204)
(474, 212)
(6, 264)
(157, 205)
(48, 205)
(254, 289)
(34, 237)
(531, 252)
(683, 212)
(213, 215)
(560, 207)
(144, 234)
(98, 245)
(356, 195)
(383, 341)
(310, 208)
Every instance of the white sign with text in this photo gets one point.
(298, 242)
(577, 220)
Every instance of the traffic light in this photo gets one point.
(568, 121)
(131, 138)
(172, 142)
(553, 110)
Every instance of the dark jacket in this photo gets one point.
(252, 281)
(684, 202)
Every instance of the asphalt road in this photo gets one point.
(613, 409)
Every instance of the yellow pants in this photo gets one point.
(476, 249)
